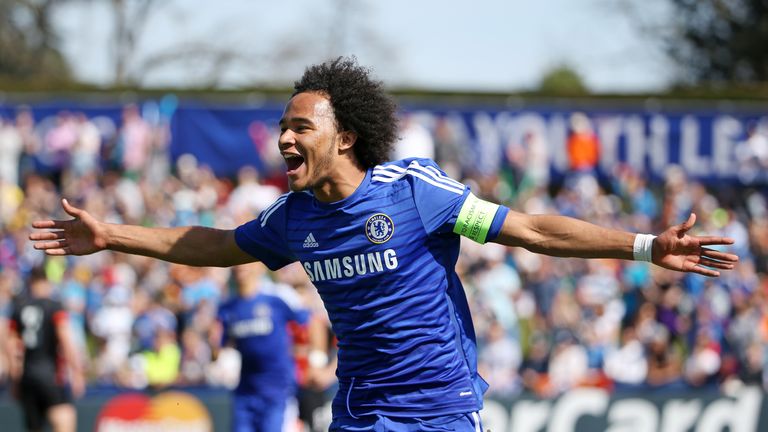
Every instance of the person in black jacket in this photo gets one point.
(42, 358)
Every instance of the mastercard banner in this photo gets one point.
(166, 412)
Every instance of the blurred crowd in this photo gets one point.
(544, 325)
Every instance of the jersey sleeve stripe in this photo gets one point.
(391, 167)
(385, 179)
(444, 177)
(271, 209)
(389, 174)
(399, 172)
(418, 174)
(436, 175)
(275, 204)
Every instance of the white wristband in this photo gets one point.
(317, 358)
(642, 250)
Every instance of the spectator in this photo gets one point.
(664, 361)
(135, 140)
(499, 360)
(250, 197)
(627, 364)
(415, 139)
(162, 363)
(582, 146)
(151, 318)
(11, 147)
(752, 154)
(58, 144)
(111, 324)
(87, 149)
(31, 143)
(703, 363)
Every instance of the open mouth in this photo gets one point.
(293, 162)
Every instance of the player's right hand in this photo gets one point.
(82, 235)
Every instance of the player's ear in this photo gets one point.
(347, 140)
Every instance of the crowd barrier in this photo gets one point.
(579, 410)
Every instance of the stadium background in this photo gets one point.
(573, 345)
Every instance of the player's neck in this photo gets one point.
(343, 184)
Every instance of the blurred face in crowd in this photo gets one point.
(40, 288)
(312, 145)
(248, 278)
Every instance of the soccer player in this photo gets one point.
(380, 241)
(41, 336)
(256, 322)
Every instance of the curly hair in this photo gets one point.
(359, 103)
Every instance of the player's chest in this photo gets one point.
(369, 229)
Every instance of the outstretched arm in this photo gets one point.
(83, 235)
(568, 237)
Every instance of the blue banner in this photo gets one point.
(227, 138)
(708, 144)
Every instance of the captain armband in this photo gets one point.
(475, 219)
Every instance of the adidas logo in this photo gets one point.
(310, 241)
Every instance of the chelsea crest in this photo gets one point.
(379, 228)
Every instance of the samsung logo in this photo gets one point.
(351, 265)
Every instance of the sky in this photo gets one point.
(478, 45)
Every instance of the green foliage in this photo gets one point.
(563, 80)
(28, 45)
(717, 42)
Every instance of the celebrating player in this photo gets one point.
(380, 241)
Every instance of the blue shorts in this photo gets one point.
(257, 414)
(469, 422)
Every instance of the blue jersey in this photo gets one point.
(258, 325)
(383, 262)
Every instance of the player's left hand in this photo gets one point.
(674, 249)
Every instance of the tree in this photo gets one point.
(29, 50)
(340, 27)
(721, 40)
(211, 58)
(31, 36)
(711, 41)
(132, 67)
(563, 80)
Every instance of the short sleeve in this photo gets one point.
(438, 197)
(264, 237)
(293, 303)
(446, 205)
